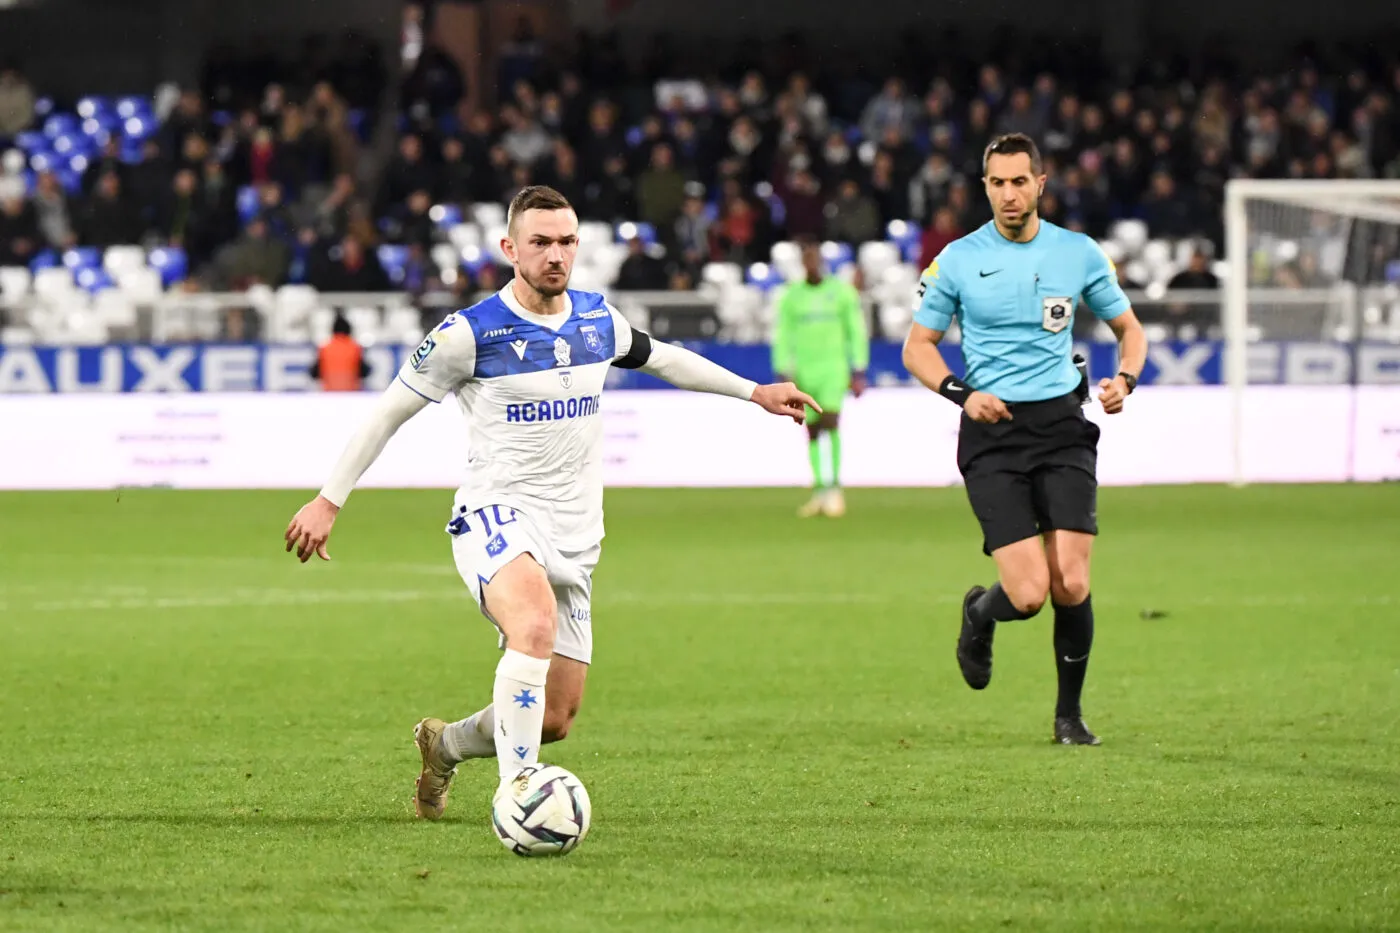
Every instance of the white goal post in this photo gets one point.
(1310, 249)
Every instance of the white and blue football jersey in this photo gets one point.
(530, 387)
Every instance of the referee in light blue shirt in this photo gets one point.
(1026, 452)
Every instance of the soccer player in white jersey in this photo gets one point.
(527, 366)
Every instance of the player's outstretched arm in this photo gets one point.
(310, 528)
(687, 370)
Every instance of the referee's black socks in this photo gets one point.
(1074, 636)
(994, 606)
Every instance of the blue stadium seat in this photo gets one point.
(141, 126)
(634, 137)
(93, 280)
(70, 145)
(89, 107)
(627, 230)
(31, 140)
(837, 254)
(43, 161)
(43, 107)
(70, 179)
(83, 257)
(78, 163)
(43, 260)
(221, 118)
(763, 275)
(474, 258)
(132, 151)
(247, 201)
(907, 235)
(172, 264)
(102, 125)
(133, 106)
(60, 124)
(394, 259)
(446, 216)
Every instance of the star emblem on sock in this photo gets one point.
(525, 699)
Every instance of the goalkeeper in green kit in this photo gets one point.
(820, 342)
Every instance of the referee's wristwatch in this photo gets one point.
(1130, 381)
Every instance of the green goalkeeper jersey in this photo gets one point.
(820, 330)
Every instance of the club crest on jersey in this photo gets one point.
(566, 379)
(561, 352)
(591, 338)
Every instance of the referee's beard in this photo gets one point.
(1020, 220)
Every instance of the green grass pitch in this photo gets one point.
(197, 733)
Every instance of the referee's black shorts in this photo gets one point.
(1033, 473)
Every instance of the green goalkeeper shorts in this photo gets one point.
(828, 389)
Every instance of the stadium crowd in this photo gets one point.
(257, 176)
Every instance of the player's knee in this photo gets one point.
(1070, 587)
(533, 634)
(1028, 593)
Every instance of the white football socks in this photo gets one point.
(473, 737)
(519, 713)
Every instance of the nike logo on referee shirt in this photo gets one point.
(985, 274)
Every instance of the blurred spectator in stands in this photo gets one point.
(1167, 213)
(805, 207)
(348, 267)
(110, 218)
(892, 108)
(180, 219)
(110, 160)
(217, 207)
(734, 236)
(411, 37)
(454, 174)
(16, 102)
(1021, 117)
(328, 117)
(414, 225)
(610, 198)
(262, 154)
(340, 363)
(520, 56)
(524, 140)
(407, 172)
(273, 209)
(641, 272)
(332, 215)
(852, 216)
(929, 187)
(938, 235)
(434, 88)
(836, 161)
(51, 209)
(563, 174)
(20, 238)
(255, 258)
(186, 120)
(691, 241)
(889, 192)
(1197, 274)
(660, 189)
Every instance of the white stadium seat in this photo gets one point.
(1130, 234)
(365, 324)
(120, 259)
(446, 256)
(14, 283)
(402, 325)
(142, 286)
(876, 256)
(489, 214)
(54, 285)
(16, 336)
(722, 273)
(464, 235)
(114, 309)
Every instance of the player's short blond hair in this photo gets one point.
(535, 198)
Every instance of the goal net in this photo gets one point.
(1313, 288)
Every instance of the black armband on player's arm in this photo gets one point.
(955, 390)
(639, 353)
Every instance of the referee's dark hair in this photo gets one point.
(1010, 144)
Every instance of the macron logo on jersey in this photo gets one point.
(519, 346)
(558, 409)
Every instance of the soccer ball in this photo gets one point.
(542, 810)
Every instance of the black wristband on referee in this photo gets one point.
(955, 390)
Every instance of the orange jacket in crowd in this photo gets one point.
(340, 365)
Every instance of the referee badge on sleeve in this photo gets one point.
(1055, 313)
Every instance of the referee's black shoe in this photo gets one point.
(1072, 731)
(975, 645)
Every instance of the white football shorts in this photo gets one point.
(486, 539)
